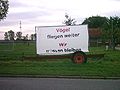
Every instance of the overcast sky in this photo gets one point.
(33, 13)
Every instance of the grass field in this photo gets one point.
(17, 50)
(11, 63)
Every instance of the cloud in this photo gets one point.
(116, 0)
(15, 4)
(13, 18)
(27, 15)
(113, 13)
(7, 23)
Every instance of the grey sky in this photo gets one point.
(51, 12)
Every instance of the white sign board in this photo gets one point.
(58, 40)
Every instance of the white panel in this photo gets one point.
(57, 40)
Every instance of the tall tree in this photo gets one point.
(19, 35)
(11, 35)
(112, 30)
(26, 37)
(69, 21)
(33, 36)
(6, 36)
(3, 8)
(95, 21)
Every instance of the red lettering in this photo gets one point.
(63, 30)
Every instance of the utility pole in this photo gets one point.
(20, 26)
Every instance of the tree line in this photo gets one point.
(11, 35)
(110, 29)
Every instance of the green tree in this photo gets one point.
(6, 36)
(33, 36)
(19, 35)
(11, 35)
(69, 21)
(112, 31)
(25, 38)
(95, 21)
(3, 8)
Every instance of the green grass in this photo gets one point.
(17, 51)
(6, 46)
(109, 66)
(61, 67)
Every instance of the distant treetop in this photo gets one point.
(3, 8)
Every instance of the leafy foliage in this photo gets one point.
(69, 21)
(33, 36)
(3, 8)
(6, 36)
(112, 30)
(11, 35)
(19, 35)
(95, 21)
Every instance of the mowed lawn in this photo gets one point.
(12, 63)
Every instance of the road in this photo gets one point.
(57, 84)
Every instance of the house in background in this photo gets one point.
(95, 36)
